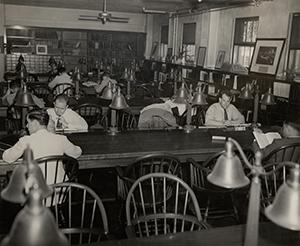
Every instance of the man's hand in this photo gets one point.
(51, 126)
(65, 124)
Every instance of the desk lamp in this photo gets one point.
(109, 91)
(285, 210)
(24, 99)
(27, 170)
(77, 79)
(34, 225)
(130, 81)
(118, 103)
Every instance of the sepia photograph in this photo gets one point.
(150, 122)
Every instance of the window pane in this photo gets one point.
(295, 32)
(189, 33)
(164, 34)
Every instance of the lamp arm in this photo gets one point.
(239, 148)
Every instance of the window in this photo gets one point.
(164, 41)
(188, 42)
(294, 47)
(244, 40)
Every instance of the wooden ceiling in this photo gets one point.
(134, 6)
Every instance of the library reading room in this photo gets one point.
(150, 122)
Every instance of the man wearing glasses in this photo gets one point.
(64, 118)
(223, 112)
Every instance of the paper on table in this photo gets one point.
(89, 83)
(264, 139)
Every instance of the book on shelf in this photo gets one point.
(265, 139)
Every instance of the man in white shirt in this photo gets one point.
(105, 80)
(223, 112)
(43, 143)
(62, 117)
(61, 78)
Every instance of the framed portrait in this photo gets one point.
(220, 59)
(201, 56)
(41, 49)
(153, 49)
(266, 56)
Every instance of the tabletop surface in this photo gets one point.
(269, 235)
(103, 150)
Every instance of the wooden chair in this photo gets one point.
(170, 215)
(62, 89)
(126, 119)
(43, 91)
(219, 202)
(13, 121)
(271, 183)
(79, 213)
(58, 168)
(92, 113)
(162, 162)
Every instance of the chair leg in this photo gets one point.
(235, 211)
(206, 210)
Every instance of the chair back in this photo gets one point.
(58, 168)
(79, 213)
(162, 162)
(126, 119)
(63, 88)
(92, 113)
(42, 91)
(13, 122)
(288, 152)
(161, 203)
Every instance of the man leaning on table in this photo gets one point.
(62, 117)
(223, 112)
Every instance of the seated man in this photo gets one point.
(160, 115)
(61, 78)
(104, 82)
(11, 93)
(223, 112)
(43, 143)
(62, 117)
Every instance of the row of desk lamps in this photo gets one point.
(34, 225)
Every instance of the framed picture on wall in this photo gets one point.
(220, 59)
(41, 49)
(201, 56)
(266, 55)
(153, 50)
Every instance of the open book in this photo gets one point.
(264, 139)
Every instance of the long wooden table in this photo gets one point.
(269, 235)
(102, 150)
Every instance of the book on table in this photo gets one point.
(265, 139)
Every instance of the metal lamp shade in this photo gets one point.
(34, 226)
(15, 190)
(228, 171)
(118, 101)
(181, 95)
(199, 98)
(268, 98)
(24, 98)
(285, 210)
(246, 93)
(108, 92)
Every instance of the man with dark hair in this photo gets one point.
(223, 112)
(11, 93)
(104, 82)
(62, 117)
(61, 78)
(41, 141)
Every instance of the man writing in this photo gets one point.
(223, 112)
(41, 141)
(62, 117)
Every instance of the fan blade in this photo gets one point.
(88, 19)
(119, 18)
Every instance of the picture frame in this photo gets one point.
(266, 55)
(41, 49)
(153, 49)
(201, 56)
(220, 58)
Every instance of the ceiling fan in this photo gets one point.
(103, 16)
